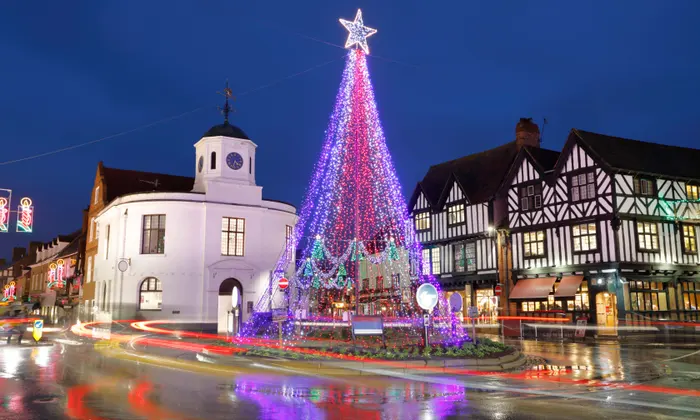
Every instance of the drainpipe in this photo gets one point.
(121, 273)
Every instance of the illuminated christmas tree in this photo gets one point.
(354, 230)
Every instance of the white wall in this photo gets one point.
(192, 267)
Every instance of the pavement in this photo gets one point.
(78, 379)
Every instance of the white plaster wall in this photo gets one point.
(192, 267)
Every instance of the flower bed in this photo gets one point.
(483, 349)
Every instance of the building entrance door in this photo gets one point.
(229, 306)
(606, 313)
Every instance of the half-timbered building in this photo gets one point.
(457, 218)
(609, 234)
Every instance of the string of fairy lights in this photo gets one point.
(353, 193)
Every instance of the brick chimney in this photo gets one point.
(18, 253)
(527, 133)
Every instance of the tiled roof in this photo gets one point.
(119, 182)
(546, 158)
(479, 174)
(643, 157)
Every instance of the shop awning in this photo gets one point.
(568, 286)
(533, 288)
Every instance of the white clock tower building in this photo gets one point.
(199, 249)
(225, 163)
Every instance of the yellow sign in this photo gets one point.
(38, 329)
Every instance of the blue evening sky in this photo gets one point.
(450, 77)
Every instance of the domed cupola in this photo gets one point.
(225, 155)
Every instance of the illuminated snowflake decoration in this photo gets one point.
(358, 32)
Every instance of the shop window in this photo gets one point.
(486, 302)
(365, 284)
(455, 214)
(423, 221)
(379, 281)
(691, 296)
(583, 187)
(689, 241)
(648, 296)
(150, 295)
(647, 236)
(533, 244)
(431, 261)
(465, 257)
(531, 197)
(692, 191)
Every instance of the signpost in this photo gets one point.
(472, 313)
(427, 298)
(279, 316)
(38, 329)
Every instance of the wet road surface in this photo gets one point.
(72, 380)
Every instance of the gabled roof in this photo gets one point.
(480, 174)
(119, 182)
(73, 247)
(642, 157)
(544, 160)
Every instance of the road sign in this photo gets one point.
(283, 283)
(37, 329)
(473, 312)
(456, 302)
(427, 296)
(497, 290)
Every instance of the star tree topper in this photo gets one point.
(358, 32)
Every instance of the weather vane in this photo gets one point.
(358, 32)
(226, 109)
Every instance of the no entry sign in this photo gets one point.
(283, 283)
(497, 290)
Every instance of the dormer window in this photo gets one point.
(531, 197)
(644, 186)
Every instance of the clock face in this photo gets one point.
(234, 161)
(200, 165)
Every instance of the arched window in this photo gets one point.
(150, 295)
(213, 160)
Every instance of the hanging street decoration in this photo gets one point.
(59, 273)
(357, 32)
(25, 216)
(8, 294)
(4, 214)
(317, 253)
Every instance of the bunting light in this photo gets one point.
(25, 216)
(4, 214)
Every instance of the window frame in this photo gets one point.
(637, 183)
(464, 245)
(460, 212)
(159, 250)
(587, 234)
(590, 180)
(96, 198)
(692, 239)
(418, 219)
(689, 186)
(544, 245)
(528, 194)
(228, 233)
(429, 260)
(155, 289)
(640, 247)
